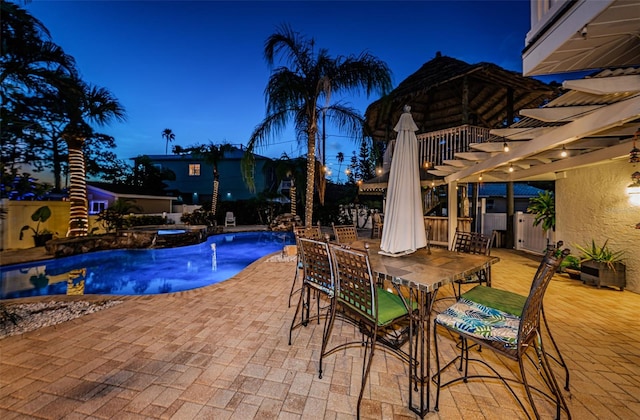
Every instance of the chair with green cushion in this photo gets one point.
(508, 335)
(381, 316)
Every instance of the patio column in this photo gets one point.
(452, 212)
(509, 242)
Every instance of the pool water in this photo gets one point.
(142, 272)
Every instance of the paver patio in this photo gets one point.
(221, 352)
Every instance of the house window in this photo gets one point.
(194, 169)
(97, 206)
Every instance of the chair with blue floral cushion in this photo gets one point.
(508, 335)
(513, 303)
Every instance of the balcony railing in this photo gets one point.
(437, 146)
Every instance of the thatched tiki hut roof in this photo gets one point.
(446, 92)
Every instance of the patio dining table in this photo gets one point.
(423, 273)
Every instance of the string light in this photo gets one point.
(480, 177)
(505, 147)
(564, 152)
(511, 167)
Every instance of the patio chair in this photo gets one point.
(513, 304)
(309, 232)
(345, 234)
(472, 243)
(376, 225)
(507, 335)
(318, 277)
(381, 317)
(229, 219)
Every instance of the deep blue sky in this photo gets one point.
(198, 67)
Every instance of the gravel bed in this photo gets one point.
(31, 316)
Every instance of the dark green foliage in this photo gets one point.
(113, 217)
(145, 220)
(199, 217)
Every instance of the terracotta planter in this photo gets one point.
(599, 274)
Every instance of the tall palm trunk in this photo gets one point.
(214, 195)
(78, 212)
(292, 198)
(311, 165)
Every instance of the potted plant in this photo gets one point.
(571, 266)
(601, 266)
(544, 208)
(40, 237)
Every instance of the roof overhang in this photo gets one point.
(584, 35)
(593, 133)
(130, 196)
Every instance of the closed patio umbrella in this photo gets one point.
(404, 230)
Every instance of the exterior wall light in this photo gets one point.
(633, 189)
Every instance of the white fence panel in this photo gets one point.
(528, 237)
(494, 221)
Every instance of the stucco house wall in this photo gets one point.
(19, 214)
(591, 203)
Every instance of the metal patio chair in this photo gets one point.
(376, 225)
(472, 243)
(318, 278)
(507, 335)
(345, 234)
(381, 317)
(513, 304)
(309, 232)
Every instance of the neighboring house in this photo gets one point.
(102, 195)
(194, 177)
(582, 140)
(495, 196)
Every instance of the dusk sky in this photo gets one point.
(198, 67)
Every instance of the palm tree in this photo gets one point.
(544, 208)
(31, 68)
(211, 154)
(168, 135)
(294, 90)
(28, 57)
(83, 104)
(340, 157)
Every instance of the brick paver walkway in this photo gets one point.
(221, 352)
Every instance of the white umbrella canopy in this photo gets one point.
(404, 231)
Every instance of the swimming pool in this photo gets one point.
(141, 272)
